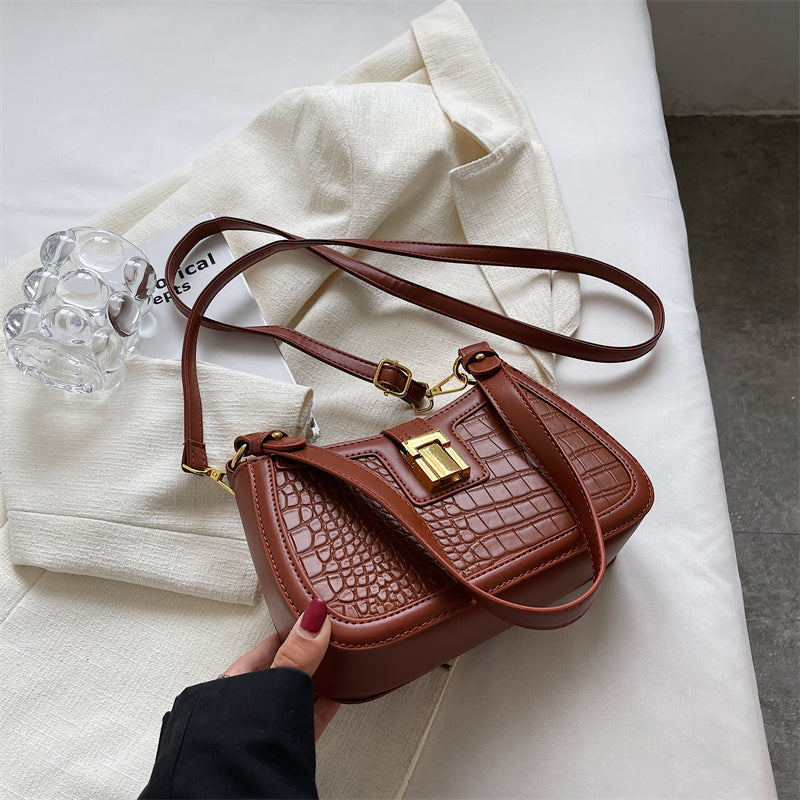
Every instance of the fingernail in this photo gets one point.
(312, 619)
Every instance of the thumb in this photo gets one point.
(305, 646)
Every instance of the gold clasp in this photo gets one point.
(457, 374)
(216, 475)
(434, 460)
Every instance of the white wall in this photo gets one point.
(727, 56)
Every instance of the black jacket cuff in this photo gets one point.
(248, 736)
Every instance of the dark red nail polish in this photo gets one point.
(314, 616)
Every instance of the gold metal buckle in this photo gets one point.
(404, 391)
(216, 475)
(464, 379)
(457, 374)
(434, 460)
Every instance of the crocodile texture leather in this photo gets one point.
(354, 555)
(362, 563)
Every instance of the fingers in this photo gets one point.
(305, 646)
(304, 649)
(260, 657)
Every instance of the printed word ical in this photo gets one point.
(183, 273)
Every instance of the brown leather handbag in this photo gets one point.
(441, 532)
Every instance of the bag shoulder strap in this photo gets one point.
(389, 376)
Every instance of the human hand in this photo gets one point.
(303, 649)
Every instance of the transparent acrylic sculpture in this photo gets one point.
(81, 310)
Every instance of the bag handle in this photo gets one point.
(387, 375)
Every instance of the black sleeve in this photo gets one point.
(249, 736)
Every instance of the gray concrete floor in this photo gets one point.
(738, 182)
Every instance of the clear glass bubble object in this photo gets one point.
(84, 289)
(140, 278)
(123, 313)
(39, 283)
(80, 312)
(56, 247)
(100, 250)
